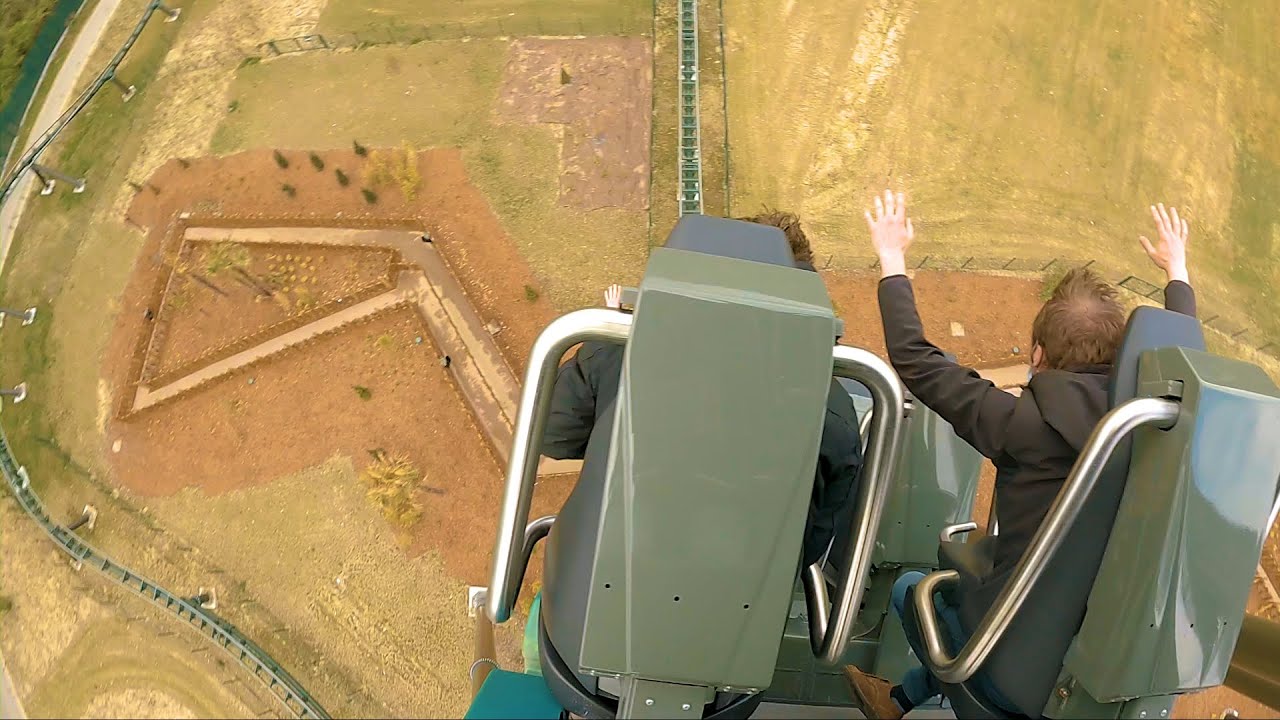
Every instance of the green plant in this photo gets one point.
(406, 172)
(1050, 279)
(251, 60)
(564, 76)
(288, 189)
(233, 106)
(281, 160)
(530, 293)
(363, 392)
(384, 341)
(392, 484)
(378, 170)
(184, 163)
(343, 180)
(360, 149)
(6, 604)
(370, 196)
(225, 255)
(317, 162)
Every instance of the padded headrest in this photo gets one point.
(731, 238)
(1149, 328)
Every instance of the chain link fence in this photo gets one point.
(501, 27)
(1213, 314)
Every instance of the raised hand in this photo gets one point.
(891, 233)
(1169, 252)
(613, 297)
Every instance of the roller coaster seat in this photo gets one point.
(670, 567)
(1067, 650)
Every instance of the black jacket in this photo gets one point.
(589, 381)
(1033, 440)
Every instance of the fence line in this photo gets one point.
(1039, 266)
(398, 33)
(218, 631)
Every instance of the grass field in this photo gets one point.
(1020, 130)
(488, 18)
(20, 21)
(442, 94)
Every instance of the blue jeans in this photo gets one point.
(919, 685)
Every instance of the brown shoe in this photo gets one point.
(872, 693)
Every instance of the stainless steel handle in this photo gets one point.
(951, 531)
(522, 468)
(829, 639)
(1113, 428)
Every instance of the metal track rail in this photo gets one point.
(103, 78)
(690, 144)
(218, 631)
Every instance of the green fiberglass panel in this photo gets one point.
(934, 486)
(715, 442)
(1168, 601)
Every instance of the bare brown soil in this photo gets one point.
(209, 306)
(459, 219)
(301, 407)
(995, 312)
(600, 90)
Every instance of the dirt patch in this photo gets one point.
(372, 385)
(135, 703)
(599, 90)
(994, 313)
(457, 217)
(227, 291)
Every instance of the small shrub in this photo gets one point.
(1050, 279)
(281, 160)
(251, 60)
(392, 484)
(406, 172)
(343, 180)
(378, 170)
(6, 604)
(370, 196)
(288, 189)
(184, 163)
(363, 392)
(317, 162)
(233, 106)
(564, 77)
(384, 341)
(360, 149)
(530, 293)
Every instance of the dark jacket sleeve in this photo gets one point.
(978, 410)
(839, 463)
(1180, 298)
(573, 409)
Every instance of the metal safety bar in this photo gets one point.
(522, 468)
(949, 532)
(830, 630)
(1113, 428)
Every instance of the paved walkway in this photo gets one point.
(490, 388)
(405, 291)
(10, 703)
(55, 102)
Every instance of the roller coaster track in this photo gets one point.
(218, 631)
(103, 78)
(690, 147)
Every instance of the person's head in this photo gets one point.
(789, 224)
(1081, 324)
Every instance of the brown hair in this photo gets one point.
(789, 224)
(1081, 324)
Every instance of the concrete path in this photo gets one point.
(10, 703)
(405, 291)
(490, 388)
(55, 102)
